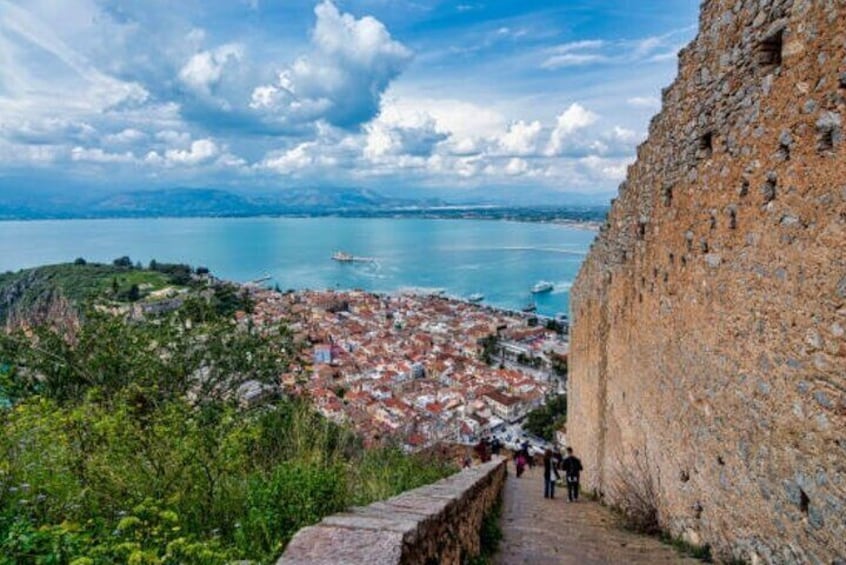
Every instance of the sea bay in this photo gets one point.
(500, 259)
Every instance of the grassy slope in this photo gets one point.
(82, 282)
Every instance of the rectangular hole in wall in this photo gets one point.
(769, 50)
(667, 194)
(826, 140)
(706, 146)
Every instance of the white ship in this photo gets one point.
(542, 286)
(343, 257)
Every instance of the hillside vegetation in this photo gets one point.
(133, 442)
(33, 294)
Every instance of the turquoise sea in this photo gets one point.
(499, 259)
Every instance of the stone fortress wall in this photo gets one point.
(708, 358)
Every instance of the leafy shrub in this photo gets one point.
(128, 444)
(545, 420)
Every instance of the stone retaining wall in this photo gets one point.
(437, 523)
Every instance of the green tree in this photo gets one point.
(559, 364)
(134, 293)
(124, 262)
(555, 326)
(545, 420)
(489, 345)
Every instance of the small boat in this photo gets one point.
(542, 286)
(476, 297)
(530, 307)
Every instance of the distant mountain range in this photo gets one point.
(195, 202)
(214, 202)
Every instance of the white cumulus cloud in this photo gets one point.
(304, 156)
(521, 138)
(125, 137)
(201, 150)
(341, 80)
(205, 69)
(516, 166)
(572, 119)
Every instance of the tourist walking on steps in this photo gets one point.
(572, 469)
(529, 459)
(550, 474)
(482, 450)
(520, 463)
(496, 446)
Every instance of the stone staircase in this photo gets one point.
(440, 523)
(539, 530)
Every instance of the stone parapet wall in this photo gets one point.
(708, 341)
(437, 523)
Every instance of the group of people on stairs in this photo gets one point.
(553, 463)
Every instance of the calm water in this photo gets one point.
(501, 260)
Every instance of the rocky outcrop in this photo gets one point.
(31, 300)
(437, 523)
(708, 355)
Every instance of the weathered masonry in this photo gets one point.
(708, 357)
(437, 523)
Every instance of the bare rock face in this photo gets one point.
(708, 355)
(51, 307)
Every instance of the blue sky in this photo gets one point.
(409, 97)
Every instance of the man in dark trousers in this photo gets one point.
(496, 446)
(572, 468)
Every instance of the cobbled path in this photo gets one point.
(542, 531)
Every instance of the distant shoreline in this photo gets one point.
(591, 224)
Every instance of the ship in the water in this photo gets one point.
(542, 286)
(476, 297)
(343, 257)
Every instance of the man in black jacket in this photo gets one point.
(572, 468)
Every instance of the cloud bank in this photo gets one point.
(256, 95)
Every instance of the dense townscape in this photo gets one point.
(414, 367)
